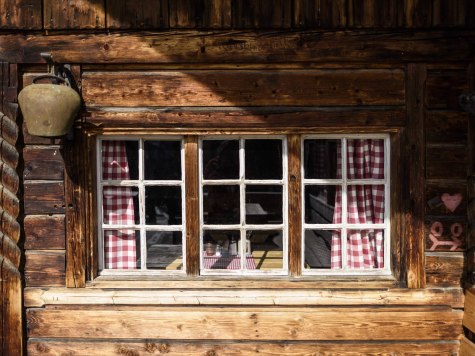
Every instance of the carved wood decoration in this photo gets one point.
(11, 285)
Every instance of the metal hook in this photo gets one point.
(48, 58)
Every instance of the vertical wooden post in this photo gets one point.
(470, 262)
(192, 206)
(295, 205)
(414, 161)
(11, 330)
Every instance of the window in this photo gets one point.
(242, 209)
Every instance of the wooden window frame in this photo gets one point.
(88, 228)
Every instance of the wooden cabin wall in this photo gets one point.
(416, 91)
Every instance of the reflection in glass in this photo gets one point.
(221, 204)
(264, 204)
(221, 249)
(120, 205)
(162, 160)
(121, 249)
(365, 204)
(164, 250)
(266, 249)
(163, 205)
(320, 159)
(320, 204)
(263, 159)
(120, 160)
(318, 245)
(365, 249)
(220, 159)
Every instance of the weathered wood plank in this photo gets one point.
(261, 14)
(446, 162)
(415, 173)
(418, 13)
(45, 268)
(20, 14)
(147, 347)
(445, 263)
(376, 14)
(467, 348)
(230, 323)
(41, 297)
(444, 87)
(132, 14)
(446, 127)
(44, 197)
(44, 232)
(192, 205)
(200, 14)
(469, 310)
(448, 13)
(244, 47)
(78, 14)
(283, 118)
(244, 88)
(295, 204)
(43, 163)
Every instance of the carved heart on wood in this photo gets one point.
(451, 202)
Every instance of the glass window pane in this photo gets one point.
(120, 160)
(318, 249)
(221, 249)
(220, 159)
(121, 205)
(163, 205)
(264, 204)
(121, 249)
(322, 158)
(162, 160)
(365, 249)
(221, 204)
(164, 250)
(266, 249)
(320, 204)
(365, 204)
(365, 158)
(263, 159)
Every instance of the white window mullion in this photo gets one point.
(143, 242)
(100, 205)
(242, 203)
(344, 205)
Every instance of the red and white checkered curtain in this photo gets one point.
(365, 248)
(118, 208)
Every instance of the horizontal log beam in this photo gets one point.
(258, 323)
(40, 297)
(242, 47)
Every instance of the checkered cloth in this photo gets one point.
(118, 208)
(227, 262)
(365, 206)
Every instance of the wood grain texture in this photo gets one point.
(257, 118)
(43, 163)
(44, 197)
(231, 323)
(78, 14)
(415, 173)
(444, 87)
(244, 88)
(45, 268)
(192, 206)
(200, 14)
(244, 47)
(261, 14)
(469, 311)
(295, 204)
(446, 162)
(141, 14)
(46, 232)
(21, 14)
(157, 347)
(467, 348)
(44, 297)
(446, 127)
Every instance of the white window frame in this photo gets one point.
(343, 227)
(242, 227)
(141, 183)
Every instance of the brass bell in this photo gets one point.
(49, 109)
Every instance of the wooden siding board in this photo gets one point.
(249, 324)
(446, 162)
(142, 14)
(244, 88)
(45, 268)
(200, 14)
(78, 14)
(21, 14)
(45, 347)
(243, 47)
(443, 89)
(446, 127)
(44, 197)
(43, 163)
(44, 232)
(261, 13)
